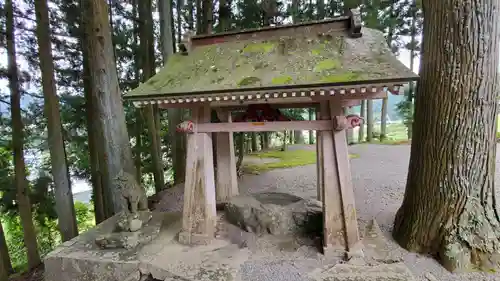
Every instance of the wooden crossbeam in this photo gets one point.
(322, 125)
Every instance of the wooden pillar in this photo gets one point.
(319, 159)
(226, 177)
(339, 211)
(199, 213)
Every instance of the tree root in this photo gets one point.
(473, 244)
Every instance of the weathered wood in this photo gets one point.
(199, 213)
(319, 160)
(345, 186)
(226, 177)
(333, 222)
(263, 126)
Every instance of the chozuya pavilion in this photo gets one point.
(327, 65)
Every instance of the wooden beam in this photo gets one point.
(226, 176)
(345, 186)
(319, 160)
(333, 222)
(199, 212)
(264, 126)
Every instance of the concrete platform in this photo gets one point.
(227, 258)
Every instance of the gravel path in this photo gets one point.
(379, 177)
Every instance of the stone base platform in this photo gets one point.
(229, 257)
(161, 257)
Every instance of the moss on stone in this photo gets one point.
(282, 80)
(327, 64)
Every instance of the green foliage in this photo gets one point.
(84, 216)
(286, 159)
(405, 109)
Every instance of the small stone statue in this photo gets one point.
(135, 215)
(132, 191)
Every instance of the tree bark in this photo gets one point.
(148, 70)
(94, 134)
(20, 180)
(117, 151)
(449, 207)
(63, 195)
(369, 120)
(5, 262)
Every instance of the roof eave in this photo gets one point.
(281, 88)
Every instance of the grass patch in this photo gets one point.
(286, 159)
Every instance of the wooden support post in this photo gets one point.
(340, 222)
(199, 213)
(226, 177)
(346, 188)
(319, 159)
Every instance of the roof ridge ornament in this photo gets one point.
(355, 23)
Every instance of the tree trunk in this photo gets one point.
(224, 15)
(190, 14)
(5, 262)
(369, 120)
(117, 151)
(255, 145)
(383, 120)
(320, 5)
(284, 146)
(138, 124)
(20, 180)
(298, 136)
(94, 134)
(413, 54)
(295, 11)
(207, 17)
(361, 132)
(241, 150)
(449, 207)
(311, 133)
(63, 195)
(199, 17)
(174, 114)
(148, 69)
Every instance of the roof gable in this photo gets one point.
(310, 57)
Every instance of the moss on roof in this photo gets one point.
(303, 59)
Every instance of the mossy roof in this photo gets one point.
(303, 60)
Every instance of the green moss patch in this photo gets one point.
(328, 64)
(287, 159)
(282, 80)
